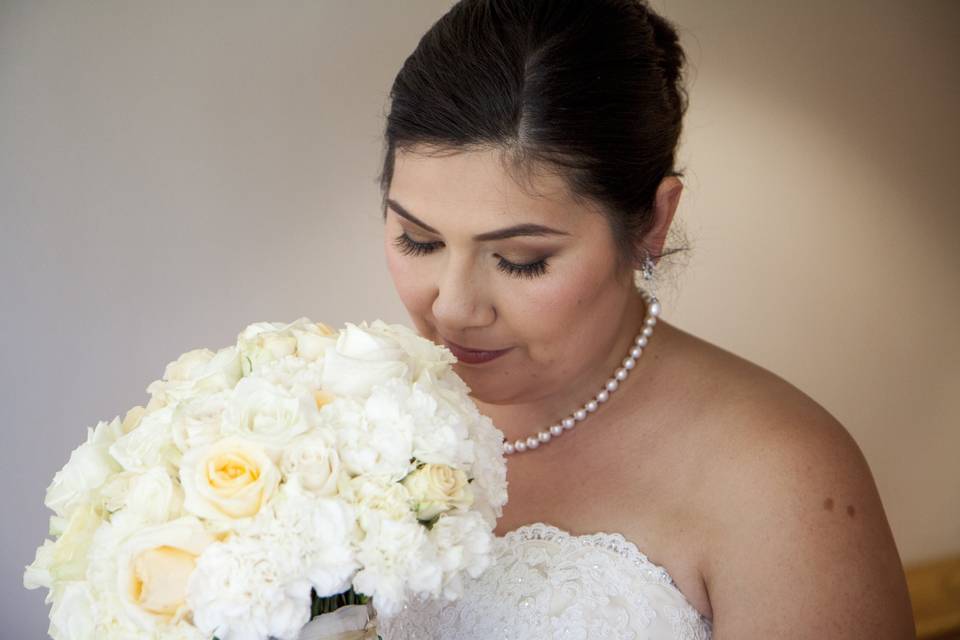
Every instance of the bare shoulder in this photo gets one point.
(796, 543)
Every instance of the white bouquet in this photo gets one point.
(294, 485)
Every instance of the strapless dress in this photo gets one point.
(546, 583)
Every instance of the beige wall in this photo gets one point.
(172, 171)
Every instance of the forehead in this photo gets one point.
(475, 189)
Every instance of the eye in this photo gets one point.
(411, 247)
(531, 270)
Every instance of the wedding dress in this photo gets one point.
(547, 583)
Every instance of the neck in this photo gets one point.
(524, 419)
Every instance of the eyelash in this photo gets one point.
(411, 247)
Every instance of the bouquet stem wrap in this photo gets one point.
(351, 622)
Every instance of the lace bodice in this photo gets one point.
(546, 583)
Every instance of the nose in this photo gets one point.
(460, 301)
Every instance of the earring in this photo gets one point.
(646, 270)
(643, 277)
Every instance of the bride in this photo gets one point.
(660, 486)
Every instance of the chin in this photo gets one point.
(490, 387)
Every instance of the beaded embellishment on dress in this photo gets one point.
(547, 583)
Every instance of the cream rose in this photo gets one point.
(312, 463)
(229, 479)
(313, 338)
(437, 488)
(377, 494)
(263, 342)
(154, 566)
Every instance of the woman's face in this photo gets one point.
(553, 297)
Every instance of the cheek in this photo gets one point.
(413, 284)
(563, 314)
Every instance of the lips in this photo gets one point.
(473, 356)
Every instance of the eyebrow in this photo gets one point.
(526, 229)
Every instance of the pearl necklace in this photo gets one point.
(636, 350)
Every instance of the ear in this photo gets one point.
(664, 207)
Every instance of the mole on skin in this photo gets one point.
(828, 505)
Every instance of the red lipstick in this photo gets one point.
(473, 356)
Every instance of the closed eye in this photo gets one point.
(409, 246)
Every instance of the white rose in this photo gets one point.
(196, 421)
(188, 366)
(150, 444)
(37, 574)
(154, 565)
(153, 496)
(89, 465)
(437, 488)
(262, 342)
(263, 412)
(69, 560)
(423, 354)
(228, 480)
(360, 360)
(312, 462)
(64, 559)
(132, 420)
(72, 613)
(197, 372)
(293, 373)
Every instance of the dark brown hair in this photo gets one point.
(589, 89)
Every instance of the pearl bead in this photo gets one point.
(621, 374)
